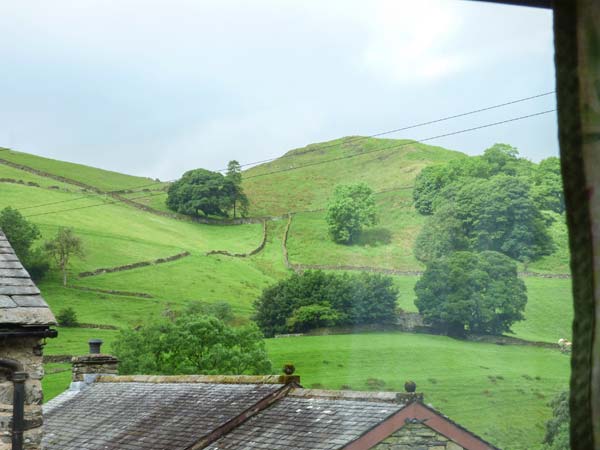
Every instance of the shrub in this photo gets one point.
(67, 317)
(355, 299)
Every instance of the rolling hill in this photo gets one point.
(117, 234)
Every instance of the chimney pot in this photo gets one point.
(95, 345)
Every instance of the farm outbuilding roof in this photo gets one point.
(240, 413)
(21, 303)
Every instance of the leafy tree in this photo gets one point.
(351, 209)
(471, 292)
(547, 186)
(356, 299)
(234, 174)
(557, 428)
(192, 344)
(442, 234)
(221, 310)
(22, 234)
(479, 214)
(67, 317)
(62, 248)
(496, 160)
(312, 316)
(201, 192)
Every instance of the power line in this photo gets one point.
(409, 127)
(92, 206)
(396, 146)
(514, 119)
(351, 140)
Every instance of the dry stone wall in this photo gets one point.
(26, 351)
(416, 436)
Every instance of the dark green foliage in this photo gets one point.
(201, 192)
(239, 199)
(496, 214)
(442, 234)
(22, 234)
(312, 316)
(355, 299)
(547, 189)
(67, 317)
(19, 231)
(192, 344)
(467, 292)
(37, 264)
(557, 428)
(220, 310)
(351, 209)
(496, 198)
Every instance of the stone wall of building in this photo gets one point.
(28, 352)
(416, 436)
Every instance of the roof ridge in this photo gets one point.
(369, 396)
(208, 379)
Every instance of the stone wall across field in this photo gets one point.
(133, 265)
(258, 249)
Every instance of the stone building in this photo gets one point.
(25, 321)
(108, 412)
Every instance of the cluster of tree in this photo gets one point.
(192, 344)
(201, 192)
(22, 235)
(467, 292)
(557, 428)
(351, 209)
(316, 299)
(496, 201)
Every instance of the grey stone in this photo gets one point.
(6, 302)
(29, 301)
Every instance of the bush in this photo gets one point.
(471, 292)
(308, 300)
(192, 344)
(67, 317)
(37, 264)
(351, 209)
(312, 316)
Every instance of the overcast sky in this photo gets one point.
(159, 87)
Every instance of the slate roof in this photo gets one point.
(20, 301)
(145, 415)
(307, 423)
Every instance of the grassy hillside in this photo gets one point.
(466, 380)
(381, 163)
(105, 180)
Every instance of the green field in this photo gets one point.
(500, 392)
(479, 385)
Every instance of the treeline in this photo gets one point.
(484, 212)
(496, 201)
(201, 192)
(316, 299)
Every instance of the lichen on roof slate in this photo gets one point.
(304, 423)
(146, 416)
(20, 301)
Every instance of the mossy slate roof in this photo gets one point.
(145, 416)
(20, 301)
(306, 424)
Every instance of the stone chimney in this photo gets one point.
(88, 367)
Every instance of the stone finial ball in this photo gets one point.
(289, 369)
(410, 386)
